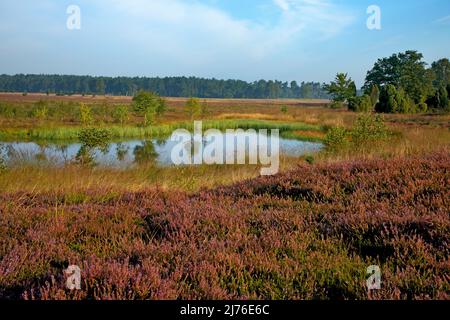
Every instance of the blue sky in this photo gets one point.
(303, 40)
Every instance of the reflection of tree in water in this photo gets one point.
(145, 153)
(121, 151)
(161, 141)
(10, 151)
(41, 155)
(2, 157)
(92, 139)
(62, 149)
(86, 154)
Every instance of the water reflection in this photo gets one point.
(118, 154)
(145, 153)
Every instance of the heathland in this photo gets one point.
(377, 194)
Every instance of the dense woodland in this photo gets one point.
(169, 86)
(401, 83)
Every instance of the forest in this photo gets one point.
(167, 86)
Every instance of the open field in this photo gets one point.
(32, 97)
(223, 232)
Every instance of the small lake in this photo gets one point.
(127, 153)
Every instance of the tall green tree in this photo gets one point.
(440, 99)
(441, 70)
(403, 70)
(342, 89)
(100, 86)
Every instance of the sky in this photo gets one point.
(302, 40)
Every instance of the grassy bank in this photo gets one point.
(160, 130)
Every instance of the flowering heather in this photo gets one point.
(307, 234)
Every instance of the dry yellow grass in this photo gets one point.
(75, 178)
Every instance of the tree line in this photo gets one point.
(401, 83)
(168, 86)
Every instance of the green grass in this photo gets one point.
(161, 130)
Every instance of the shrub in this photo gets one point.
(336, 105)
(422, 107)
(368, 127)
(85, 114)
(121, 114)
(440, 99)
(360, 104)
(393, 100)
(284, 109)
(149, 105)
(192, 107)
(7, 110)
(94, 138)
(310, 159)
(336, 138)
(41, 110)
(204, 109)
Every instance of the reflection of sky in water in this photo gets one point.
(126, 153)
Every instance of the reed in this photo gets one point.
(160, 130)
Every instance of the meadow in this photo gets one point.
(378, 196)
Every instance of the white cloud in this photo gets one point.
(169, 37)
(443, 20)
(283, 4)
(180, 22)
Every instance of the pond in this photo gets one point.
(126, 153)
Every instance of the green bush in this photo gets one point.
(310, 159)
(440, 99)
(360, 104)
(121, 114)
(149, 105)
(368, 127)
(395, 100)
(336, 138)
(40, 111)
(336, 105)
(85, 114)
(94, 138)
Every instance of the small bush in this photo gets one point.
(121, 114)
(40, 111)
(85, 114)
(94, 138)
(368, 128)
(360, 104)
(149, 105)
(336, 105)
(310, 159)
(336, 138)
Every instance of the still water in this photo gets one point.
(125, 153)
